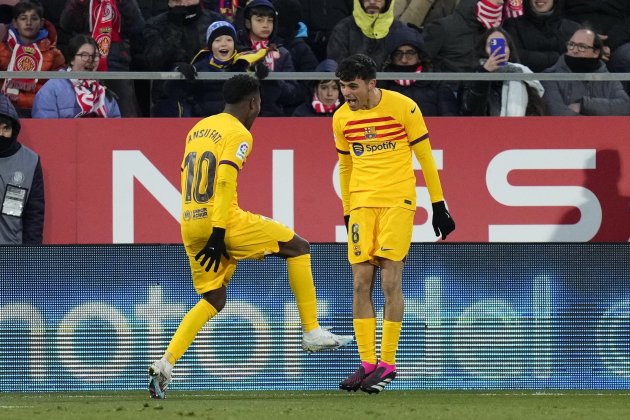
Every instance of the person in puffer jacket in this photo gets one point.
(30, 45)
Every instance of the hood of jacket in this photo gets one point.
(8, 110)
(373, 26)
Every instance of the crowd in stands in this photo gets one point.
(262, 36)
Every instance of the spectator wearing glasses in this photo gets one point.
(74, 98)
(409, 56)
(577, 97)
(541, 34)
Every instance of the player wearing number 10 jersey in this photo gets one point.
(217, 147)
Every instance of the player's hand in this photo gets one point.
(442, 221)
(212, 251)
(346, 219)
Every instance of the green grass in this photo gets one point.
(261, 405)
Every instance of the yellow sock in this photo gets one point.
(301, 281)
(365, 333)
(192, 323)
(389, 341)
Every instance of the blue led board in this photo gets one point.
(478, 316)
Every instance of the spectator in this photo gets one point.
(72, 98)
(421, 12)
(367, 31)
(323, 97)
(150, 8)
(577, 97)
(202, 98)
(292, 33)
(172, 38)
(6, 15)
(541, 34)
(30, 46)
(114, 25)
(320, 17)
(407, 55)
(450, 40)
(279, 97)
(512, 98)
(611, 20)
(229, 9)
(21, 184)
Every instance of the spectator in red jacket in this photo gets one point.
(30, 45)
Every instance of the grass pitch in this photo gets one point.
(261, 405)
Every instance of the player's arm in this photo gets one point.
(442, 222)
(345, 170)
(224, 191)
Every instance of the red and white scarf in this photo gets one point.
(409, 82)
(272, 55)
(513, 9)
(90, 97)
(105, 26)
(23, 58)
(321, 108)
(489, 14)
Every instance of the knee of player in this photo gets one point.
(216, 298)
(362, 286)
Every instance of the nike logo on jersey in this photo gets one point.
(387, 249)
(414, 109)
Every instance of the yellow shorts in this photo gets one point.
(379, 232)
(247, 236)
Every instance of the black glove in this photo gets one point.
(346, 219)
(188, 70)
(212, 251)
(261, 70)
(442, 221)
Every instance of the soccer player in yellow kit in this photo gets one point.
(376, 131)
(217, 147)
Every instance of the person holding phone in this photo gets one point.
(514, 98)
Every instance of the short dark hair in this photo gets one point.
(239, 87)
(76, 42)
(356, 66)
(26, 5)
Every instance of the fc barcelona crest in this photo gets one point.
(370, 133)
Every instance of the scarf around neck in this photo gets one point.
(414, 69)
(272, 54)
(320, 108)
(91, 97)
(23, 58)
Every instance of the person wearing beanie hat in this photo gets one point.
(21, 184)
(407, 55)
(201, 98)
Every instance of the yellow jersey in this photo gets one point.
(380, 141)
(216, 140)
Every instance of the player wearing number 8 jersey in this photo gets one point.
(217, 147)
(376, 131)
